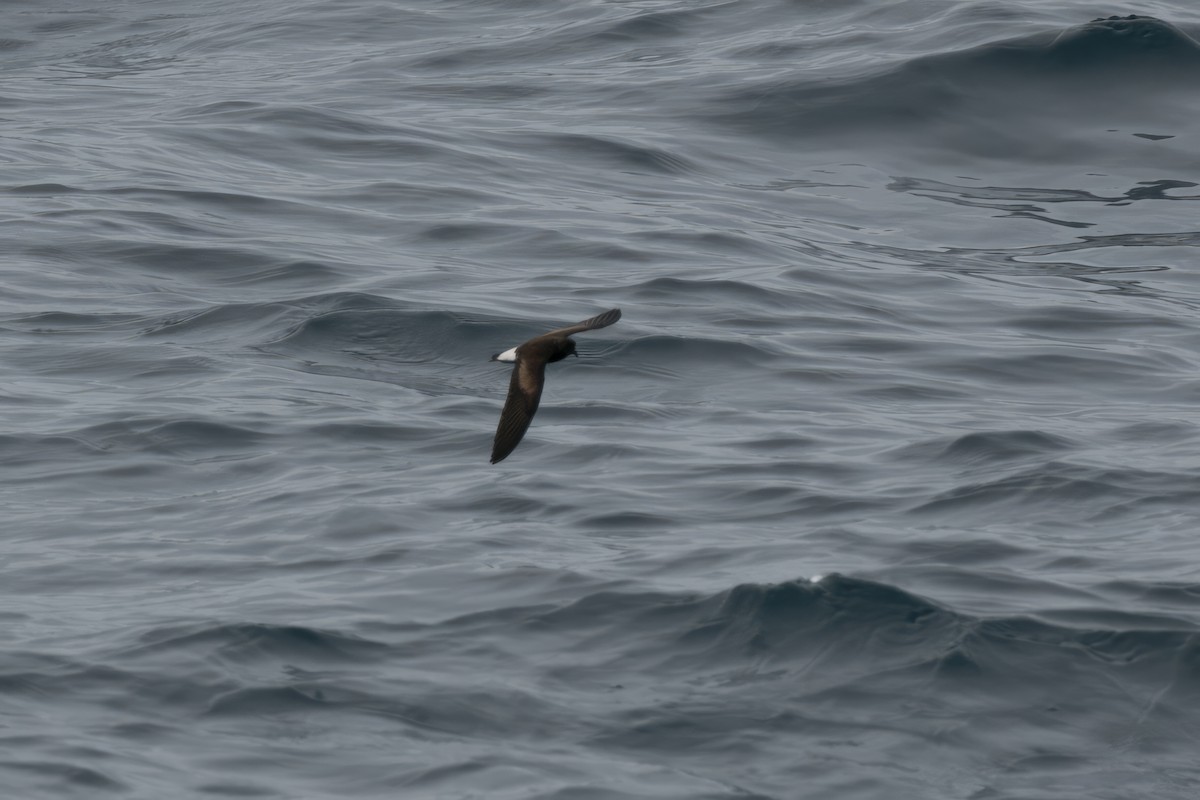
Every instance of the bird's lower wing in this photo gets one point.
(524, 394)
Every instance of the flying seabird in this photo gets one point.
(529, 376)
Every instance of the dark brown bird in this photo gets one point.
(529, 375)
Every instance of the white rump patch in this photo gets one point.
(508, 355)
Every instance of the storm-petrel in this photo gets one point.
(529, 376)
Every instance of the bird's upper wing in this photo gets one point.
(598, 321)
(524, 393)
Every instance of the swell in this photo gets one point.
(838, 634)
(999, 99)
(806, 666)
(161, 435)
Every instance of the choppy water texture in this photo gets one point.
(910, 296)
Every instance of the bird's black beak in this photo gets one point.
(576, 354)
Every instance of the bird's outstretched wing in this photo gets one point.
(598, 321)
(524, 393)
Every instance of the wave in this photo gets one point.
(983, 447)
(132, 435)
(1049, 489)
(692, 351)
(999, 99)
(612, 152)
(841, 629)
(725, 293)
(813, 664)
(247, 642)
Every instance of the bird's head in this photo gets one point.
(567, 348)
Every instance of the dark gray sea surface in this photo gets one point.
(887, 484)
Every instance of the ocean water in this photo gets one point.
(887, 485)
